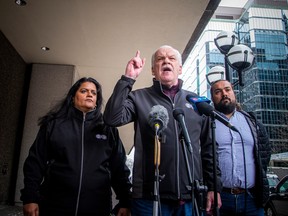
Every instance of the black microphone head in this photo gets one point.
(204, 108)
(177, 112)
(158, 117)
(194, 100)
(189, 96)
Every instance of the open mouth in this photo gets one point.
(166, 69)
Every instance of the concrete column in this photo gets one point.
(48, 85)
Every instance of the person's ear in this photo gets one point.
(180, 70)
(152, 71)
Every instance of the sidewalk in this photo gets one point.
(6, 210)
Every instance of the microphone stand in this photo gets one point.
(186, 143)
(156, 180)
(191, 187)
(213, 126)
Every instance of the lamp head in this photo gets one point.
(225, 41)
(215, 73)
(240, 57)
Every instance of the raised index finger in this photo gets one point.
(138, 53)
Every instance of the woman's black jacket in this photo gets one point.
(80, 159)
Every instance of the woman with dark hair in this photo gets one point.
(76, 159)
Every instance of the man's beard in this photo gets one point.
(225, 108)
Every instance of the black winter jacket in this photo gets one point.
(262, 153)
(79, 158)
(125, 106)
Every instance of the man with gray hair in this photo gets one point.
(125, 106)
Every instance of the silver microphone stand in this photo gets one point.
(156, 180)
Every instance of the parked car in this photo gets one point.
(273, 179)
(278, 199)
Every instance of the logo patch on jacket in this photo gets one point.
(189, 106)
(101, 136)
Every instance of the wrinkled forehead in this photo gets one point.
(165, 52)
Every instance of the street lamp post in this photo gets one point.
(241, 58)
(224, 42)
(238, 56)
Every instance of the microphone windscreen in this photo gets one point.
(158, 115)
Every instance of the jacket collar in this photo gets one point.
(88, 116)
(158, 86)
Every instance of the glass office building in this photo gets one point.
(263, 26)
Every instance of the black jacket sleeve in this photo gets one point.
(120, 108)
(263, 140)
(120, 172)
(34, 168)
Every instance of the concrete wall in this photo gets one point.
(28, 92)
(48, 85)
(13, 75)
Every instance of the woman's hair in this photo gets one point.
(62, 108)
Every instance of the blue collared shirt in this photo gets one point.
(230, 152)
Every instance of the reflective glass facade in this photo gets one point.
(265, 90)
(266, 84)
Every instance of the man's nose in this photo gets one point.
(166, 60)
(224, 94)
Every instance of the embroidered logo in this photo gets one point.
(189, 106)
(101, 136)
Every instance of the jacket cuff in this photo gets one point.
(29, 197)
(126, 203)
(128, 79)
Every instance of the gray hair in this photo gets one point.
(178, 55)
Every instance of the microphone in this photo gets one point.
(204, 108)
(178, 114)
(193, 100)
(158, 118)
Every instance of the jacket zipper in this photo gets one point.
(81, 168)
(177, 144)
